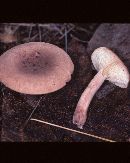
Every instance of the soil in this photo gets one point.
(108, 115)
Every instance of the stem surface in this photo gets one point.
(80, 113)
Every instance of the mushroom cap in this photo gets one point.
(113, 68)
(35, 68)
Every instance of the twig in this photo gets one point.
(66, 33)
(39, 30)
(82, 29)
(34, 37)
(65, 40)
(6, 139)
(31, 114)
(30, 31)
(65, 128)
(21, 24)
(78, 39)
(55, 27)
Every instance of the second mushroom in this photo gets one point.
(109, 67)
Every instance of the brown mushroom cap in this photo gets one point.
(114, 69)
(35, 68)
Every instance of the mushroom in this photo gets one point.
(35, 68)
(109, 67)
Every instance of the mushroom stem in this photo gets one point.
(80, 113)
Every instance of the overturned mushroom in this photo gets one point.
(35, 68)
(109, 67)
